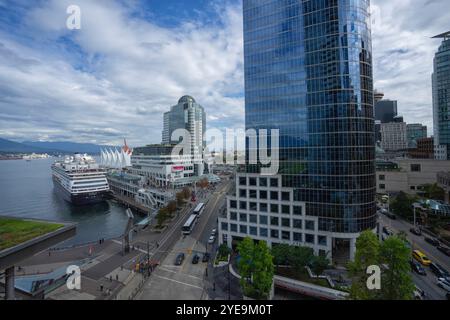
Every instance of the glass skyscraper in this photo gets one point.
(308, 73)
(441, 98)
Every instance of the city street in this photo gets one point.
(428, 282)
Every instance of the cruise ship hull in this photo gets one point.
(83, 198)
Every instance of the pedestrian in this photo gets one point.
(214, 286)
(110, 278)
(101, 288)
(117, 277)
(49, 253)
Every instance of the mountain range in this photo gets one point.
(8, 146)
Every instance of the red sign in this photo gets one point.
(177, 168)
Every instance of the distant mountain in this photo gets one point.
(16, 147)
(67, 146)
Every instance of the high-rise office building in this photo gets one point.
(189, 115)
(441, 98)
(308, 73)
(415, 131)
(394, 136)
(385, 110)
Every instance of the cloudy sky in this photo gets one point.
(132, 60)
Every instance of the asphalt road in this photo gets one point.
(428, 282)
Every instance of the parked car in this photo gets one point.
(213, 232)
(444, 284)
(419, 294)
(439, 271)
(205, 257)
(179, 259)
(211, 239)
(195, 259)
(415, 231)
(433, 241)
(390, 215)
(388, 231)
(417, 268)
(444, 250)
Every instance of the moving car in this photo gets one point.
(415, 231)
(421, 257)
(213, 232)
(444, 284)
(211, 239)
(433, 241)
(179, 259)
(416, 267)
(205, 257)
(388, 231)
(439, 271)
(419, 294)
(444, 250)
(195, 259)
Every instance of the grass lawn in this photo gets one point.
(300, 276)
(15, 231)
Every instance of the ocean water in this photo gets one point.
(26, 191)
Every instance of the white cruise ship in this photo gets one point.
(80, 180)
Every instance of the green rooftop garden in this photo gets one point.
(16, 231)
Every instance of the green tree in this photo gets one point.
(402, 205)
(319, 264)
(300, 257)
(396, 281)
(162, 216)
(180, 198)
(433, 191)
(256, 268)
(172, 207)
(367, 254)
(224, 251)
(281, 254)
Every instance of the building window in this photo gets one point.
(243, 217)
(322, 240)
(285, 196)
(253, 231)
(253, 206)
(273, 195)
(413, 187)
(274, 182)
(243, 205)
(253, 218)
(243, 229)
(297, 236)
(233, 227)
(382, 177)
(309, 238)
(309, 225)
(285, 209)
(382, 186)
(274, 234)
(253, 194)
(252, 181)
(263, 194)
(233, 204)
(242, 193)
(263, 207)
(263, 220)
(285, 222)
(233, 215)
(274, 208)
(297, 210)
(274, 221)
(286, 235)
(415, 167)
(263, 232)
(297, 223)
(242, 181)
(224, 226)
(263, 182)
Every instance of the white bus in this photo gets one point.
(199, 209)
(190, 224)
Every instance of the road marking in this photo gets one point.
(184, 283)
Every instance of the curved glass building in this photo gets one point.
(308, 73)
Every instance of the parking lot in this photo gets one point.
(171, 282)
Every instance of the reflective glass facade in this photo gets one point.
(308, 73)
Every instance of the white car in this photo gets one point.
(213, 232)
(211, 239)
(444, 284)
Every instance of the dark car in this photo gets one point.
(439, 271)
(205, 257)
(432, 241)
(390, 215)
(195, 259)
(415, 231)
(444, 250)
(179, 259)
(417, 268)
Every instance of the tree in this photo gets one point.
(203, 183)
(180, 198)
(172, 207)
(396, 281)
(224, 251)
(186, 193)
(281, 254)
(300, 257)
(402, 205)
(319, 264)
(256, 268)
(367, 254)
(162, 216)
(433, 191)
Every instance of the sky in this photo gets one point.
(132, 60)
